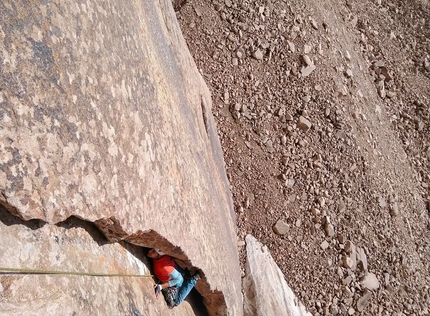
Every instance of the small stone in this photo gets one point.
(381, 89)
(347, 262)
(314, 24)
(386, 279)
(349, 247)
(281, 227)
(227, 3)
(347, 282)
(394, 209)
(307, 60)
(351, 311)
(304, 124)
(291, 46)
(283, 140)
(240, 53)
(364, 300)
(329, 229)
(288, 117)
(280, 112)
(306, 71)
(391, 94)
(290, 183)
(285, 160)
(226, 97)
(257, 54)
(370, 281)
(342, 206)
(382, 202)
(347, 56)
(231, 37)
(235, 61)
(197, 10)
(334, 310)
(348, 73)
(315, 211)
(324, 245)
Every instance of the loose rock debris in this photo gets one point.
(329, 106)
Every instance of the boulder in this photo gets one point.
(105, 117)
(265, 290)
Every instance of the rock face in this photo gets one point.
(103, 116)
(74, 246)
(265, 290)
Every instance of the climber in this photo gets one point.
(174, 286)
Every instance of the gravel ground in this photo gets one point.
(323, 114)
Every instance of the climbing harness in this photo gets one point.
(33, 271)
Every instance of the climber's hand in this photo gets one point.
(157, 289)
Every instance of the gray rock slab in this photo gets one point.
(265, 290)
(104, 116)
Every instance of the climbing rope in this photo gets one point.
(33, 271)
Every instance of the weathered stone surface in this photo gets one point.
(304, 124)
(362, 258)
(104, 116)
(74, 246)
(265, 290)
(281, 227)
(370, 281)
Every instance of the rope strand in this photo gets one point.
(33, 271)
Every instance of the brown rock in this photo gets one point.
(304, 124)
(394, 209)
(324, 245)
(281, 227)
(306, 71)
(347, 262)
(81, 143)
(257, 54)
(328, 227)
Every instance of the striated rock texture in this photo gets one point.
(103, 116)
(265, 290)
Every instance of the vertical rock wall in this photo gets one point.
(103, 116)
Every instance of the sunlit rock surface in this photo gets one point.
(75, 246)
(265, 290)
(103, 116)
